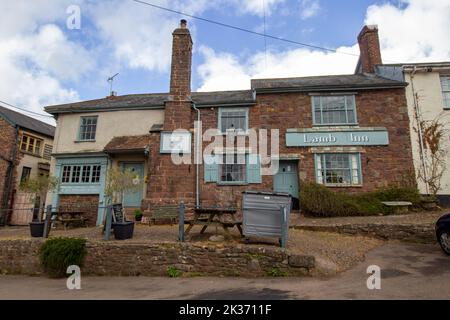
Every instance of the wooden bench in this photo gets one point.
(400, 207)
(165, 213)
(71, 217)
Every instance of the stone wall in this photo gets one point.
(134, 259)
(420, 233)
(85, 203)
(20, 257)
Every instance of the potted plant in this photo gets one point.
(118, 183)
(39, 187)
(138, 215)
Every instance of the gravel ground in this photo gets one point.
(429, 217)
(333, 252)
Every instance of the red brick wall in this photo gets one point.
(7, 142)
(88, 204)
(381, 165)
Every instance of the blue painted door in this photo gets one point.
(286, 180)
(133, 199)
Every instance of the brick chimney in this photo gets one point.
(180, 75)
(177, 114)
(369, 45)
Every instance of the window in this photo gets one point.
(31, 144)
(233, 119)
(233, 168)
(48, 151)
(26, 171)
(81, 174)
(66, 174)
(88, 127)
(338, 169)
(334, 110)
(95, 174)
(445, 83)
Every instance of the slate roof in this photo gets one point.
(230, 98)
(126, 144)
(27, 122)
(320, 83)
(154, 100)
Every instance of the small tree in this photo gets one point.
(119, 182)
(435, 154)
(39, 187)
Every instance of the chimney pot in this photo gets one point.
(183, 24)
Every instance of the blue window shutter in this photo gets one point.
(254, 168)
(211, 168)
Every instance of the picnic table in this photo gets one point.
(204, 216)
(70, 217)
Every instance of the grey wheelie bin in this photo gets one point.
(266, 214)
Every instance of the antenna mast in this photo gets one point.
(110, 80)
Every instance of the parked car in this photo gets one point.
(443, 233)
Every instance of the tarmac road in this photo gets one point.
(408, 271)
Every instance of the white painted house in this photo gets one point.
(428, 98)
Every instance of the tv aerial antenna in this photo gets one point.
(110, 80)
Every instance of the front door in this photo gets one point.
(286, 180)
(133, 199)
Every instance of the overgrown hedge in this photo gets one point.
(319, 201)
(59, 253)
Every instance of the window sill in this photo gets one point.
(31, 154)
(80, 141)
(224, 184)
(333, 185)
(335, 125)
(238, 133)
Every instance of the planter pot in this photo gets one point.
(123, 230)
(138, 219)
(37, 229)
(430, 205)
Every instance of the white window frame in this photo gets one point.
(355, 169)
(239, 131)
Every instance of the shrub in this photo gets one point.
(59, 253)
(138, 213)
(276, 272)
(319, 201)
(410, 194)
(173, 272)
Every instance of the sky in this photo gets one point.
(49, 56)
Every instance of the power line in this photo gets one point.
(265, 32)
(31, 112)
(245, 30)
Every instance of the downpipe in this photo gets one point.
(197, 157)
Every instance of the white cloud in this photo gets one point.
(309, 8)
(415, 31)
(225, 71)
(37, 56)
(256, 7)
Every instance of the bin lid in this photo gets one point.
(267, 193)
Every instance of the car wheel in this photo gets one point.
(444, 241)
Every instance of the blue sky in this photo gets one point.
(44, 62)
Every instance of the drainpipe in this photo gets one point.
(197, 158)
(419, 127)
(9, 183)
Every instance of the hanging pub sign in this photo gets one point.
(343, 137)
(175, 142)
